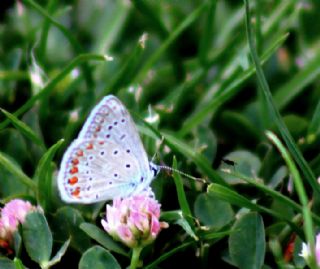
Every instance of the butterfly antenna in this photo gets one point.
(182, 173)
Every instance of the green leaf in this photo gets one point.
(23, 128)
(6, 263)
(65, 224)
(18, 263)
(247, 243)
(13, 168)
(98, 258)
(103, 238)
(37, 237)
(17, 243)
(213, 212)
(245, 163)
(57, 258)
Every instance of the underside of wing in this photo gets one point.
(95, 170)
(110, 121)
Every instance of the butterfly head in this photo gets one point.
(154, 169)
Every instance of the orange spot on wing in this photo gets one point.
(74, 170)
(98, 129)
(75, 161)
(73, 180)
(90, 146)
(80, 152)
(101, 142)
(76, 192)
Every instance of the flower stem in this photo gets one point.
(135, 257)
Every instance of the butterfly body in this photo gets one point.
(107, 160)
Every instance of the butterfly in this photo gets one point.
(107, 160)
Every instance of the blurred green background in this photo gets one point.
(184, 67)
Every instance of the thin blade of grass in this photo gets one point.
(171, 38)
(16, 170)
(73, 41)
(223, 95)
(274, 112)
(169, 254)
(238, 200)
(43, 177)
(183, 202)
(23, 128)
(307, 217)
(314, 126)
(298, 83)
(50, 86)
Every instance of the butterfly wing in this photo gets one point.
(97, 170)
(107, 160)
(110, 121)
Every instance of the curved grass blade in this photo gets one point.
(223, 95)
(172, 37)
(240, 201)
(308, 226)
(169, 254)
(274, 194)
(68, 34)
(274, 112)
(23, 128)
(50, 86)
(13, 168)
(181, 195)
(43, 177)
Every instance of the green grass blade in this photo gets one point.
(274, 194)
(23, 128)
(16, 170)
(223, 95)
(298, 83)
(68, 34)
(183, 202)
(43, 177)
(308, 226)
(314, 126)
(50, 86)
(169, 254)
(171, 38)
(276, 117)
(238, 200)
(207, 36)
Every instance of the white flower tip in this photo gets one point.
(143, 39)
(305, 251)
(108, 58)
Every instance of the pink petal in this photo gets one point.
(155, 226)
(125, 234)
